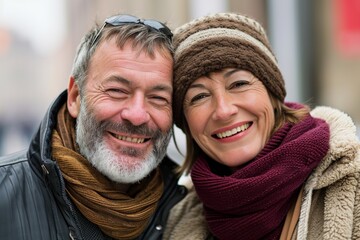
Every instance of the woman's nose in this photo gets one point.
(224, 107)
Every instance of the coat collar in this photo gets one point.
(39, 153)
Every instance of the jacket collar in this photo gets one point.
(39, 153)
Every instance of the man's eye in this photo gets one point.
(116, 92)
(160, 100)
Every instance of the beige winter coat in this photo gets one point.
(330, 207)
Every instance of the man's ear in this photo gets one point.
(73, 100)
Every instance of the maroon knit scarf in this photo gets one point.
(252, 203)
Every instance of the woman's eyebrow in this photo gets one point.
(230, 72)
(196, 85)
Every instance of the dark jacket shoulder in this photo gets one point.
(34, 203)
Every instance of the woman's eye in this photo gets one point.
(198, 97)
(238, 84)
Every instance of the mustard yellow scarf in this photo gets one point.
(121, 211)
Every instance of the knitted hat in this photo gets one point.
(215, 42)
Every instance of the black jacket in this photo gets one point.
(35, 206)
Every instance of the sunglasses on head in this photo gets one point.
(128, 19)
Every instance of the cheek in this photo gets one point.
(194, 121)
(260, 102)
(197, 121)
(267, 111)
(163, 119)
(105, 110)
(269, 120)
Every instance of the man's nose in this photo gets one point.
(135, 111)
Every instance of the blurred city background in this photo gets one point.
(317, 44)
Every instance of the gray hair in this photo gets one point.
(144, 38)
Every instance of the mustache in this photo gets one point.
(128, 127)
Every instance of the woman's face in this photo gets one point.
(230, 115)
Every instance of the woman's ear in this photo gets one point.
(73, 100)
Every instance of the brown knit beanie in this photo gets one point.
(215, 42)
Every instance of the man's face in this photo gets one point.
(124, 118)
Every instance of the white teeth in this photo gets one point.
(130, 139)
(233, 131)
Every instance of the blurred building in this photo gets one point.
(316, 42)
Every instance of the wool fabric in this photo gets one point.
(252, 202)
(218, 41)
(121, 211)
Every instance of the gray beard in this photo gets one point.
(119, 166)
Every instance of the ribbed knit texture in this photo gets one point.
(252, 202)
(215, 42)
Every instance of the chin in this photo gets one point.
(127, 171)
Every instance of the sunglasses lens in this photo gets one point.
(121, 19)
(160, 27)
(124, 19)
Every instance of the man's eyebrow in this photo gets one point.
(118, 79)
(158, 87)
(163, 87)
